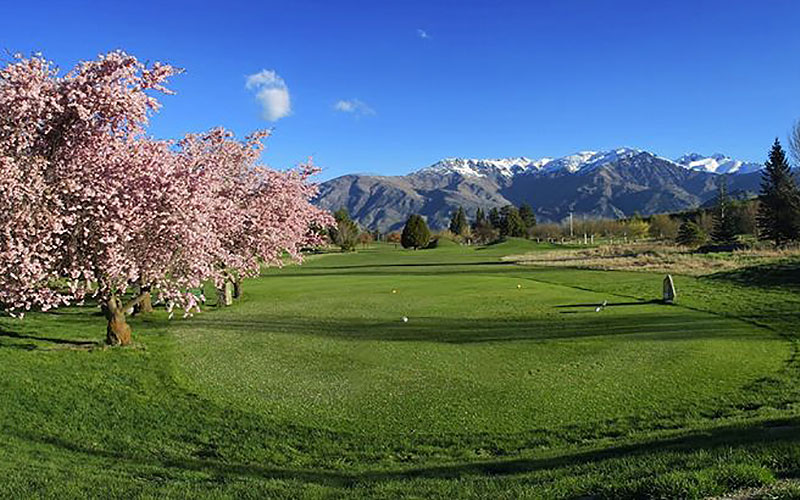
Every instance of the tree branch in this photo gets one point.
(135, 301)
(794, 141)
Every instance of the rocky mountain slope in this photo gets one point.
(614, 183)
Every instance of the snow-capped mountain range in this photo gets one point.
(583, 161)
(613, 183)
(717, 164)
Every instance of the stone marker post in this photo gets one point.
(669, 290)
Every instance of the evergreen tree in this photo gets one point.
(415, 233)
(511, 223)
(527, 216)
(345, 232)
(724, 229)
(690, 234)
(494, 218)
(480, 218)
(779, 210)
(458, 222)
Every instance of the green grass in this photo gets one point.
(503, 383)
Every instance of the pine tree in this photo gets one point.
(482, 230)
(779, 210)
(415, 233)
(480, 218)
(458, 222)
(510, 222)
(527, 216)
(690, 234)
(724, 230)
(494, 218)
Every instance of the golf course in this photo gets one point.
(450, 372)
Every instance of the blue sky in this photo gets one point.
(389, 87)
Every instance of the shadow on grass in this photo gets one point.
(405, 269)
(419, 264)
(50, 340)
(720, 441)
(650, 326)
(612, 304)
(782, 274)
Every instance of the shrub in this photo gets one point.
(690, 234)
(415, 233)
(345, 232)
(663, 227)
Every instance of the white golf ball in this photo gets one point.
(405, 319)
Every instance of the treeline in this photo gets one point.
(485, 228)
(497, 223)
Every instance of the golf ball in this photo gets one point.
(405, 319)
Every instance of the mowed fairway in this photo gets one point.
(504, 381)
(488, 348)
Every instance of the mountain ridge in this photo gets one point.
(613, 183)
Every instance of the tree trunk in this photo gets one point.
(118, 331)
(237, 288)
(145, 306)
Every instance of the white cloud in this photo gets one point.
(423, 34)
(354, 106)
(273, 94)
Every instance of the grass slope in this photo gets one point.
(504, 382)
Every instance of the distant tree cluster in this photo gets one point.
(345, 233)
(458, 223)
(483, 230)
(507, 221)
(774, 215)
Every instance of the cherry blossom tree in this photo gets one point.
(259, 214)
(93, 207)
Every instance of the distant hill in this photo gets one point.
(615, 183)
